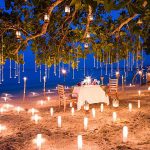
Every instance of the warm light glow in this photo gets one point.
(79, 139)
(72, 111)
(41, 102)
(139, 103)
(59, 121)
(139, 22)
(39, 140)
(2, 110)
(8, 106)
(85, 123)
(88, 35)
(117, 74)
(19, 109)
(46, 17)
(140, 73)
(125, 134)
(70, 104)
(24, 78)
(102, 107)
(130, 107)
(63, 71)
(139, 93)
(149, 88)
(18, 34)
(36, 118)
(86, 45)
(2, 128)
(91, 17)
(93, 112)
(67, 9)
(33, 111)
(114, 116)
(48, 98)
(51, 111)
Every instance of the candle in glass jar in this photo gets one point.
(139, 103)
(125, 134)
(59, 121)
(51, 111)
(130, 107)
(114, 116)
(102, 107)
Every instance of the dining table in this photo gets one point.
(91, 94)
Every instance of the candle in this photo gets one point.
(102, 107)
(139, 93)
(39, 140)
(93, 112)
(48, 98)
(114, 116)
(2, 110)
(125, 134)
(19, 109)
(72, 111)
(130, 107)
(2, 128)
(79, 142)
(41, 102)
(51, 111)
(70, 104)
(33, 111)
(139, 103)
(36, 118)
(85, 123)
(59, 121)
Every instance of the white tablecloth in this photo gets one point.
(91, 94)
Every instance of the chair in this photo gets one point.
(113, 87)
(63, 98)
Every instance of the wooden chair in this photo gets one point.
(63, 98)
(113, 87)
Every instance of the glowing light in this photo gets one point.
(72, 111)
(63, 71)
(93, 112)
(125, 134)
(46, 18)
(85, 123)
(41, 102)
(102, 108)
(130, 107)
(67, 9)
(51, 111)
(86, 45)
(33, 111)
(18, 34)
(139, 93)
(91, 17)
(19, 109)
(114, 116)
(39, 140)
(80, 143)
(59, 121)
(48, 98)
(2, 128)
(139, 103)
(36, 118)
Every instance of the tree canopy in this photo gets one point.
(109, 29)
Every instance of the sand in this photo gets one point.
(102, 133)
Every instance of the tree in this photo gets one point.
(62, 35)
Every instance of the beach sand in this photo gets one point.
(102, 133)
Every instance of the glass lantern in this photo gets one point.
(115, 103)
(46, 18)
(67, 9)
(18, 34)
(86, 45)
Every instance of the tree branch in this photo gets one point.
(88, 22)
(44, 26)
(128, 20)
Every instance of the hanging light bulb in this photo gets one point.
(67, 9)
(46, 18)
(86, 45)
(18, 34)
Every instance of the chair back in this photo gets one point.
(113, 85)
(61, 91)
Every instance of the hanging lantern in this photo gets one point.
(18, 34)
(91, 17)
(86, 45)
(140, 22)
(88, 35)
(115, 102)
(46, 18)
(67, 9)
(86, 106)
